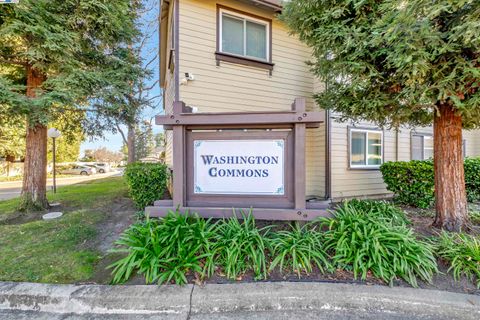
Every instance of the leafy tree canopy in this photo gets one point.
(393, 61)
(79, 48)
(12, 137)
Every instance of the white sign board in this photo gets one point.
(243, 167)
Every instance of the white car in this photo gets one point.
(81, 170)
(102, 167)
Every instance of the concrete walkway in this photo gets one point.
(232, 301)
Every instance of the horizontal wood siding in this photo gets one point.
(350, 183)
(169, 89)
(473, 142)
(232, 87)
(169, 99)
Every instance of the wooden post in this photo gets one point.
(179, 159)
(299, 177)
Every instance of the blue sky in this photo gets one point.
(113, 141)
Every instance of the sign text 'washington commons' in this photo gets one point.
(253, 167)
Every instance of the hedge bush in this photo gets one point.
(413, 182)
(147, 182)
(472, 178)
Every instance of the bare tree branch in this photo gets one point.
(151, 87)
(121, 132)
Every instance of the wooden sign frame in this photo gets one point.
(288, 125)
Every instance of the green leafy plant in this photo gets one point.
(472, 178)
(147, 182)
(475, 217)
(241, 246)
(299, 249)
(413, 181)
(380, 209)
(166, 249)
(363, 243)
(462, 252)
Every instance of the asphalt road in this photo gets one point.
(10, 190)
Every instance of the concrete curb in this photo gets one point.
(174, 302)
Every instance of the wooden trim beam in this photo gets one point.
(258, 213)
(240, 118)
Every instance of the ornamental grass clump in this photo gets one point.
(299, 249)
(380, 209)
(363, 243)
(241, 246)
(166, 250)
(462, 252)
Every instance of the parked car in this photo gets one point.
(100, 167)
(81, 170)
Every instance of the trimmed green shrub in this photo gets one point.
(166, 249)
(364, 243)
(412, 182)
(299, 249)
(380, 209)
(147, 182)
(462, 252)
(472, 178)
(241, 246)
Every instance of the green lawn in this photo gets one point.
(19, 178)
(63, 250)
(82, 195)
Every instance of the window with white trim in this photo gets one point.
(366, 148)
(244, 36)
(422, 146)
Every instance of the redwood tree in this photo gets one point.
(68, 52)
(400, 63)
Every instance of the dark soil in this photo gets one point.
(421, 222)
(118, 218)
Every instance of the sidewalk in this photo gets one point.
(284, 300)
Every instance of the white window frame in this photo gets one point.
(423, 136)
(245, 18)
(350, 145)
(430, 136)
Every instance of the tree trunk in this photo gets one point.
(34, 190)
(131, 144)
(450, 194)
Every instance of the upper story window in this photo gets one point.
(366, 148)
(244, 35)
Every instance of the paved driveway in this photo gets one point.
(10, 190)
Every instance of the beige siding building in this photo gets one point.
(205, 65)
